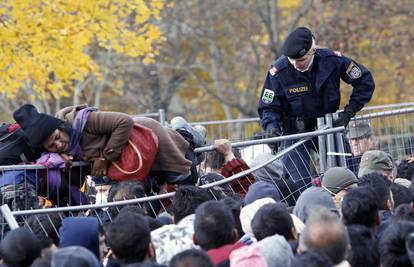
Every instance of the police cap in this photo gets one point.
(298, 43)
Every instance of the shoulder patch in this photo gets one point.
(273, 70)
(353, 71)
(339, 54)
(267, 96)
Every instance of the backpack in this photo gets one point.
(14, 147)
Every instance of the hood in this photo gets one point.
(80, 231)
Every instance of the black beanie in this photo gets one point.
(20, 247)
(298, 43)
(37, 127)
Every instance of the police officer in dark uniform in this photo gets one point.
(303, 85)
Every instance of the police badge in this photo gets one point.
(267, 96)
(353, 71)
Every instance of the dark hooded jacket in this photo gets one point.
(80, 231)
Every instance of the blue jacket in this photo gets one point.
(289, 94)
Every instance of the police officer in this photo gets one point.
(303, 85)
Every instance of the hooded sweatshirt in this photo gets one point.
(80, 231)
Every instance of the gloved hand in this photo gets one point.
(344, 118)
(274, 132)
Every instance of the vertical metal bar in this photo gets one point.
(162, 117)
(322, 146)
(331, 162)
(340, 145)
(8, 216)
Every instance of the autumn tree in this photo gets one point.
(45, 43)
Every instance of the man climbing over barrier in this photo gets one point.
(301, 86)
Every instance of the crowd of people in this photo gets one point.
(343, 218)
(283, 214)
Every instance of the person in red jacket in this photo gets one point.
(225, 162)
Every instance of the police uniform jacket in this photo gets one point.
(289, 95)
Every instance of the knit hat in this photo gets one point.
(376, 160)
(37, 127)
(247, 213)
(276, 250)
(260, 190)
(338, 178)
(74, 256)
(20, 247)
(310, 199)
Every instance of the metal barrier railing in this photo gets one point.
(160, 116)
(240, 129)
(10, 216)
(394, 129)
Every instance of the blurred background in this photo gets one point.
(201, 59)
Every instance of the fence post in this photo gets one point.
(322, 146)
(340, 145)
(162, 117)
(8, 216)
(330, 143)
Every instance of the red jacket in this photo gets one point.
(234, 166)
(220, 254)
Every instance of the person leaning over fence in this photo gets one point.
(304, 84)
(109, 140)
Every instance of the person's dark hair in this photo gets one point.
(312, 259)
(46, 228)
(153, 223)
(126, 190)
(400, 194)
(123, 191)
(129, 237)
(66, 128)
(213, 225)
(392, 247)
(215, 160)
(359, 206)
(272, 219)
(186, 199)
(405, 170)
(403, 212)
(364, 247)
(191, 257)
(325, 232)
(235, 206)
(19, 248)
(380, 185)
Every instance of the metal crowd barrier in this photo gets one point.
(157, 203)
(393, 128)
(244, 128)
(160, 116)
